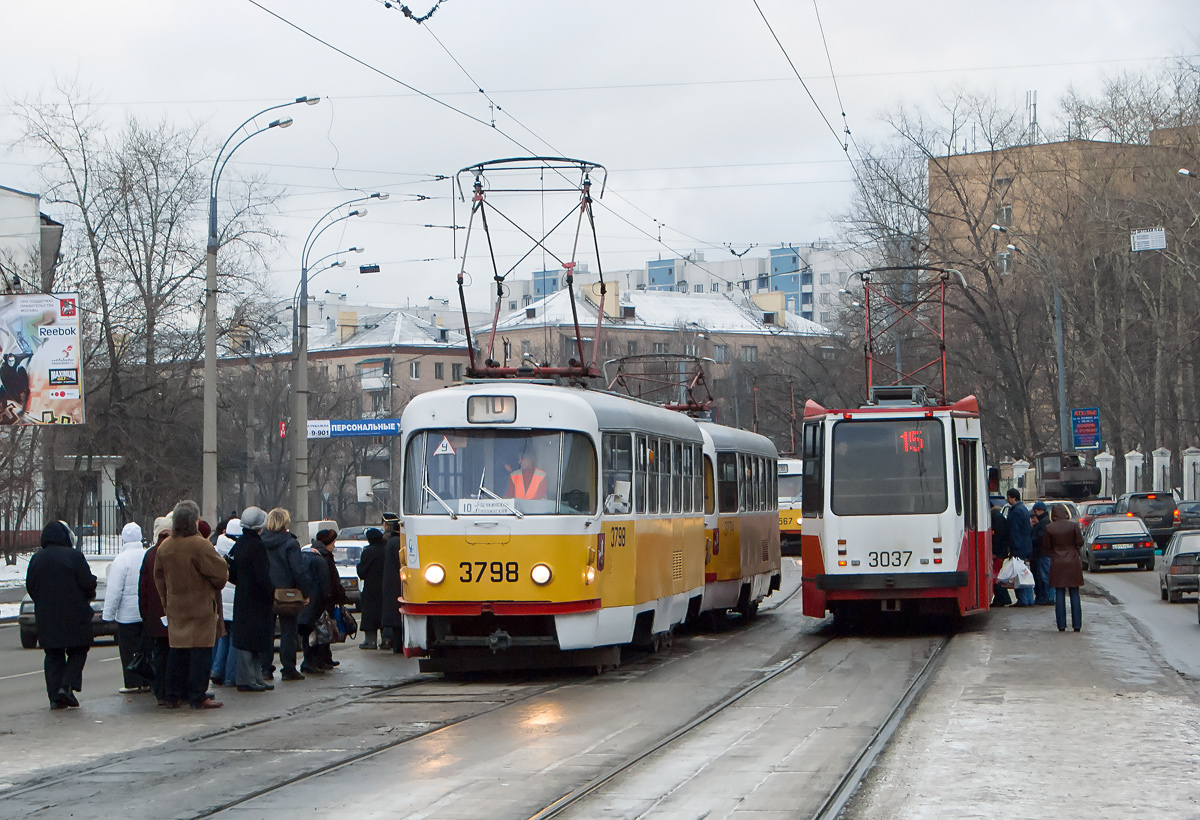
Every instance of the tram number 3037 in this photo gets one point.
(495, 571)
(895, 558)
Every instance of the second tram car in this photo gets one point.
(895, 509)
(791, 482)
(742, 561)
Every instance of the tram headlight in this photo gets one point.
(540, 574)
(435, 574)
(589, 575)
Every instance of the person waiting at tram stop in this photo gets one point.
(1039, 520)
(528, 482)
(1020, 537)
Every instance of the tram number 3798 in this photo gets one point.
(494, 571)
(895, 558)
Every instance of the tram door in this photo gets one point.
(968, 472)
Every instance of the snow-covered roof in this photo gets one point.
(393, 328)
(663, 310)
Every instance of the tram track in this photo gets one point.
(836, 799)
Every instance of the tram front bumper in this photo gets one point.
(888, 581)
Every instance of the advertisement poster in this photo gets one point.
(1085, 427)
(41, 381)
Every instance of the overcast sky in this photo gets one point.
(707, 135)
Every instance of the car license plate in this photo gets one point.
(1122, 546)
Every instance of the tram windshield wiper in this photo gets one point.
(439, 500)
(512, 507)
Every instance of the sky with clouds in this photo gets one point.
(708, 137)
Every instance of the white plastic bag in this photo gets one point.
(1024, 575)
(1008, 574)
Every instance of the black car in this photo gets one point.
(1118, 539)
(1158, 510)
(1189, 515)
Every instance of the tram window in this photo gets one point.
(968, 470)
(698, 502)
(812, 500)
(578, 493)
(773, 495)
(488, 471)
(888, 467)
(727, 482)
(677, 502)
(687, 477)
(710, 494)
(618, 472)
(652, 486)
(664, 476)
(642, 477)
(755, 482)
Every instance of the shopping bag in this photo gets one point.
(1024, 575)
(346, 622)
(140, 665)
(326, 631)
(1008, 573)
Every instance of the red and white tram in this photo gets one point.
(895, 508)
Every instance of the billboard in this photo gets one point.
(41, 380)
(333, 428)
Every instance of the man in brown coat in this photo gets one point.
(189, 575)
(1062, 542)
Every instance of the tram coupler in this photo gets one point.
(499, 640)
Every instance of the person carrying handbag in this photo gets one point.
(317, 624)
(291, 581)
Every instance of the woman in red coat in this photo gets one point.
(1062, 542)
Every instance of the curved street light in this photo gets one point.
(300, 380)
(208, 489)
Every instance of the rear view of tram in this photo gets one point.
(791, 483)
(895, 508)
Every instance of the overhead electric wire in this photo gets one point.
(833, 76)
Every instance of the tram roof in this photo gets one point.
(966, 407)
(612, 411)
(731, 438)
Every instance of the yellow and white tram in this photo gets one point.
(547, 525)
(741, 524)
(791, 516)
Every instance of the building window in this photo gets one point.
(414, 370)
(632, 348)
(691, 350)
(1004, 262)
(825, 278)
(746, 285)
(439, 371)
(341, 371)
(825, 298)
(763, 282)
(512, 305)
(749, 353)
(456, 372)
(720, 353)
(377, 401)
(660, 347)
(716, 287)
(825, 318)
(698, 288)
(1004, 215)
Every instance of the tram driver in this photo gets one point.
(529, 482)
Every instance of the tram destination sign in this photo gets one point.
(334, 428)
(1085, 428)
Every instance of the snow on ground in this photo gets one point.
(14, 576)
(9, 610)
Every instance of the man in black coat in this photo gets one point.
(62, 587)
(1000, 551)
(393, 623)
(253, 602)
(370, 601)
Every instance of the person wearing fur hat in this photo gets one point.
(62, 587)
(190, 575)
(121, 603)
(154, 629)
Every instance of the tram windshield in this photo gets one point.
(499, 472)
(790, 486)
(888, 467)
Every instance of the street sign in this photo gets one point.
(334, 428)
(1148, 239)
(1085, 428)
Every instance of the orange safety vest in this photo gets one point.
(536, 488)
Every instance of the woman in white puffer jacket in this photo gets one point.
(121, 602)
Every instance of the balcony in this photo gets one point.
(376, 382)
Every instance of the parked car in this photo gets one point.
(1189, 515)
(1089, 510)
(1158, 510)
(1118, 539)
(1179, 566)
(101, 628)
(346, 552)
(1069, 506)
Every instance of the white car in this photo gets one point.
(346, 552)
(1178, 567)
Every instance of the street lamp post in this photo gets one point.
(1064, 433)
(300, 378)
(208, 489)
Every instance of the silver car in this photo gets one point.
(1178, 567)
